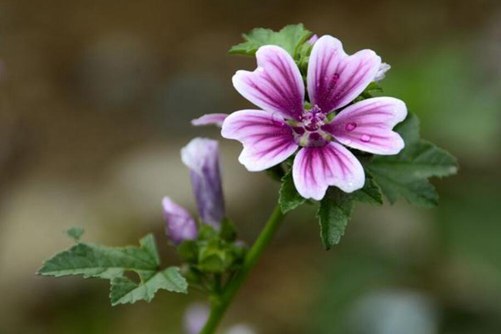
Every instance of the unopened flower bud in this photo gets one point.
(201, 156)
(179, 226)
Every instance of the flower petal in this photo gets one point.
(266, 138)
(335, 78)
(317, 168)
(275, 85)
(367, 125)
(381, 72)
(179, 226)
(201, 156)
(209, 119)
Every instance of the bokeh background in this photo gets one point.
(95, 103)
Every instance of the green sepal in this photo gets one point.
(212, 258)
(239, 250)
(290, 37)
(333, 214)
(207, 232)
(188, 251)
(228, 230)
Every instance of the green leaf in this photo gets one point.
(75, 233)
(409, 130)
(289, 198)
(123, 290)
(370, 193)
(336, 207)
(302, 57)
(91, 260)
(406, 174)
(110, 263)
(290, 38)
(334, 213)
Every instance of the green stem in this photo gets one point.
(221, 304)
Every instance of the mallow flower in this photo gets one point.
(319, 129)
(201, 156)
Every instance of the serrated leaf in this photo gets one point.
(123, 290)
(418, 192)
(91, 260)
(290, 38)
(289, 198)
(406, 174)
(111, 263)
(334, 213)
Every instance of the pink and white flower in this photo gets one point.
(320, 132)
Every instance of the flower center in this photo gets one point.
(308, 131)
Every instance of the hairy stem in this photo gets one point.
(221, 304)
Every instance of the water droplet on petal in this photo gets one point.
(366, 138)
(351, 126)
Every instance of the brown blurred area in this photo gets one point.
(95, 103)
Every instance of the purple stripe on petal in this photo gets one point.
(210, 119)
(201, 156)
(335, 78)
(367, 125)
(275, 85)
(317, 168)
(179, 225)
(267, 140)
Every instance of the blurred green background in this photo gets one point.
(95, 103)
